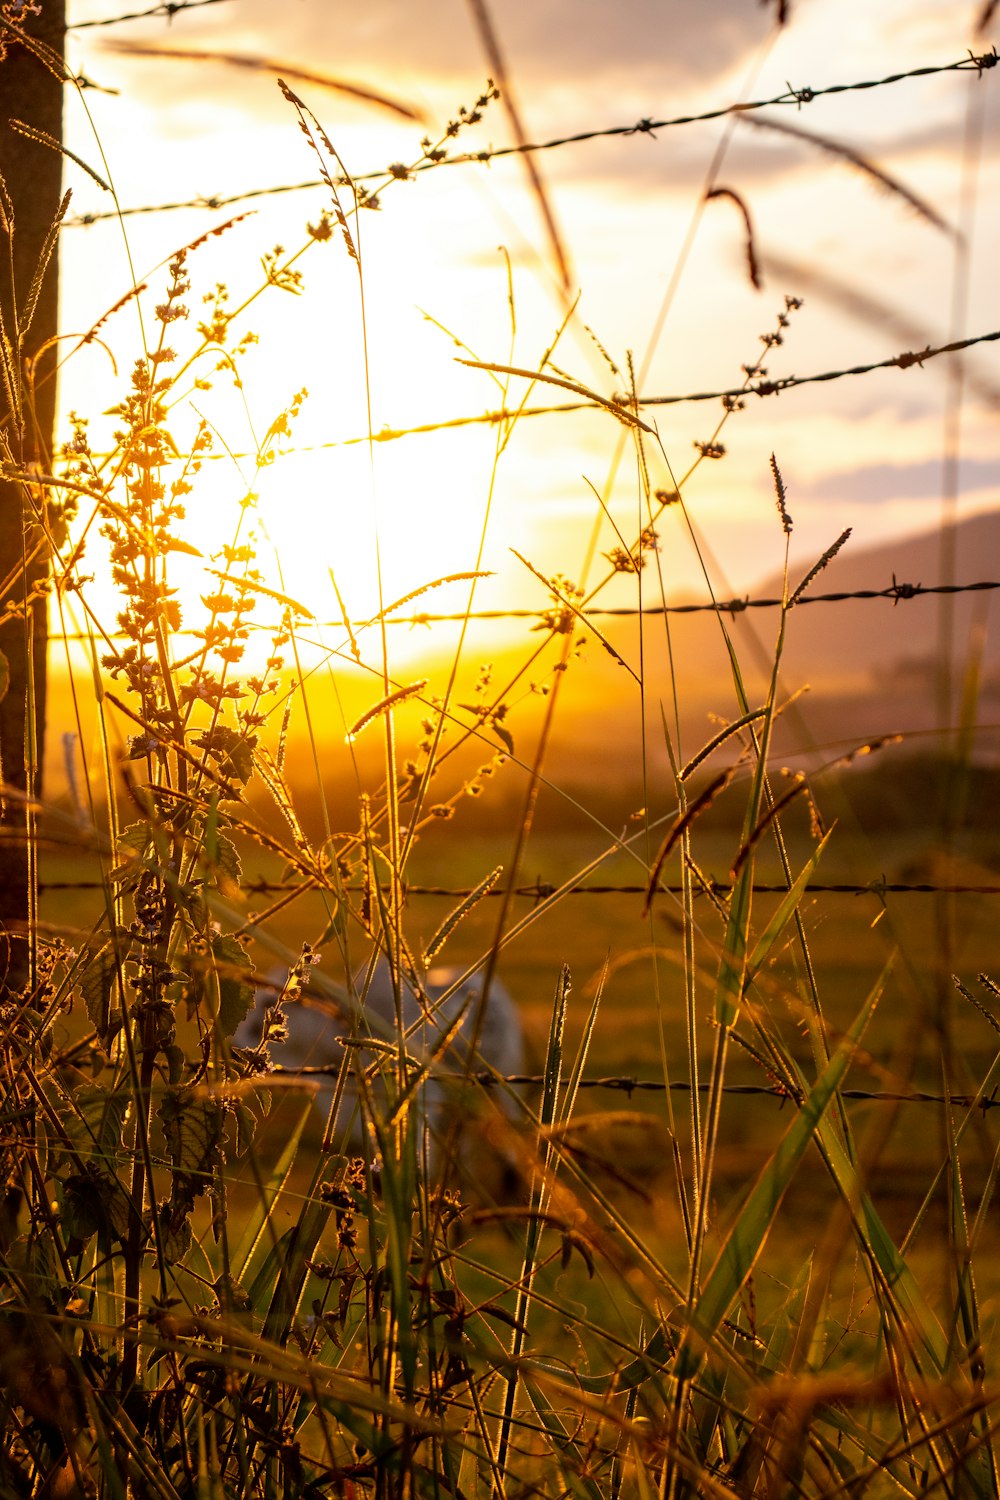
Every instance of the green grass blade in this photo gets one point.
(785, 912)
(267, 1196)
(286, 1269)
(548, 1116)
(897, 1277)
(583, 1051)
(732, 968)
(748, 1235)
(572, 1459)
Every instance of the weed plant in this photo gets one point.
(192, 1308)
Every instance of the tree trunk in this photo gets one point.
(33, 175)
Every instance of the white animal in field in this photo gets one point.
(315, 1028)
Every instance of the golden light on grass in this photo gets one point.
(488, 1283)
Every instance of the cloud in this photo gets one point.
(574, 65)
(565, 61)
(548, 44)
(913, 481)
(670, 48)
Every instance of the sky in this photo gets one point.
(656, 273)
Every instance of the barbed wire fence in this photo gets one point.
(168, 9)
(896, 592)
(709, 887)
(542, 891)
(630, 1084)
(545, 890)
(732, 399)
(796, 97)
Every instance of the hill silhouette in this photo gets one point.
(872, 667)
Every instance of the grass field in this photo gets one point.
(714, 1243)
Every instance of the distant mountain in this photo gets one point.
(876, 666)
(873, 667)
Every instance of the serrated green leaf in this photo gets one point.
(241, 759)
(175, 1058)
(136, 836)
(192, 1130)
(247, 1112)
(232, 752)
(138, 746)
(98, 986)
(193, 1127)
(102, 1113)
(220, 855)
(228, 864)
(233, 1296)
(175, 1230)
(235, 990)
(94, 1202)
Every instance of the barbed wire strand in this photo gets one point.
(544, 891)
(648, 127)
(168, 8)
(732, 395)
(628, 1084)
(895, 591)
(971, 63)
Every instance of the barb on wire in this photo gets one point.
(544, 891)
(168, 8)
(791, 96)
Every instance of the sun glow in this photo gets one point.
(339, 525)
(287, 483)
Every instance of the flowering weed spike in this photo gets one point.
(391, 700)
(453, 918)
(42, 138)
(818, 567)
(779, 490)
